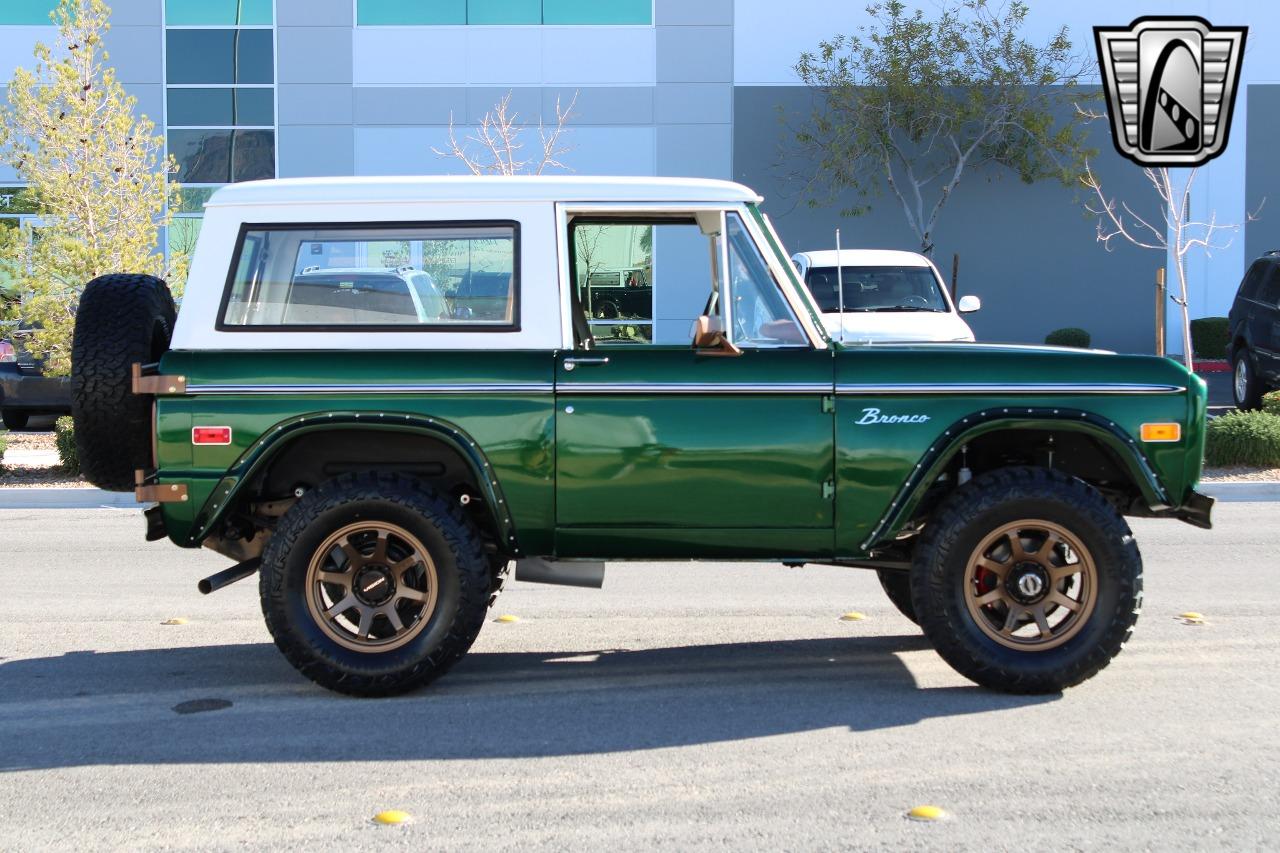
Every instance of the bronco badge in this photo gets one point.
(873, 416)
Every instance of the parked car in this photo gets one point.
(1254, 332)
(25, 390)
(379, 479)
(888, 296)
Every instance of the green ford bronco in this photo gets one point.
(382, 393)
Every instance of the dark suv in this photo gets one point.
(25, 390)
(1254, 322)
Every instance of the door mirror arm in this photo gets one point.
(709, 338)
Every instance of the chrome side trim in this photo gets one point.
(706, 388)
(888, 389)
(452, 388)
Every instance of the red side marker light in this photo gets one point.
(211, 435)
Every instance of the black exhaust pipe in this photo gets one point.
(226, 577)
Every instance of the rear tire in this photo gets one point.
(1246, 388)
(1027, 580)
(122, 320)
(374, 585)
(15, 419)
(897, 585)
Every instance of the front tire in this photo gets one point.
(1027, 581)
(897, 586)
(374, 585)
(15, 418)
(1246, 388)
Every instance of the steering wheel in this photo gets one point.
(915, 300)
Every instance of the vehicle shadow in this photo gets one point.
(87, 708)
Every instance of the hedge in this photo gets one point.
(1069, 337)
(4, 442)
(1209, 337)
(64, 436)
(1243, 438)
(1271, 402)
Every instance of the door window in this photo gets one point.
(639, 282)
(760, 315)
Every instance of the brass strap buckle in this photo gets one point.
(156, 383)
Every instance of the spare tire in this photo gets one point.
(122, 320)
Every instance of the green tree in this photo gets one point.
(96, 172)
(913, 103)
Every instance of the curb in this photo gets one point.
(66, 498)
(1264, 490)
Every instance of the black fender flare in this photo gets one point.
(274, 439)
(1058, 418)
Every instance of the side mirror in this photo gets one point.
(708, 337)
(968, 304)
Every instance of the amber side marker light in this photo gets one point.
(1161, 432)
(211, 435)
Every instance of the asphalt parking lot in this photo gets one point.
(698, 706)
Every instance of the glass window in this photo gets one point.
(16, 200)
(27, 12)
(1252, 279)
(597, 12)
(221, 107)
(194, 198)
(220, 56)
(882, 288)
(1269, 290)
(760, 315)
(504, 12)
(389, 277)
(410, 12)
(179, 13)
(183, 232)
(223, 156)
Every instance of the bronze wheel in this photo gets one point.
(1031, 585)
(1027, 580)
(371, 586)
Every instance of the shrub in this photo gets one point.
(1243, 438)
(1271, 402)
(64, 435)
(1069, 337)
(4, 442)
(1209, 337)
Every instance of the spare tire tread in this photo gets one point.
(122, 320)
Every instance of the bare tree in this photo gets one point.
(497, 146)
(1174, 232)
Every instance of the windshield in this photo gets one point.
(876, 289)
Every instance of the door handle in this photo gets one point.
(585, 361)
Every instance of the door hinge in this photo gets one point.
(829, 489)
(828, 405)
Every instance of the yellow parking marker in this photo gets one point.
(853, 616)
(507, 617)
(177, 620)
(1192, 618)
(391, 818)
(928, 813)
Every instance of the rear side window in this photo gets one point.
(1269, 290)
(438, 277)
(1253, 278)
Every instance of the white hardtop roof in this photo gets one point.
(463, 188)
(865, 258)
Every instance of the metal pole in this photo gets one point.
(840, 283)
(955, 277)
(1161, 302)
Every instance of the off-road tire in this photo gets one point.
(981, 506)
(15, 418)
(122, 320)
(1251, 398)
(897, 585)
(455, 547)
